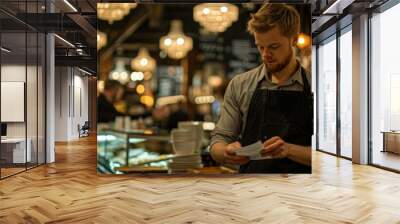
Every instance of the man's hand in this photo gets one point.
(275, 147)
(230, 154)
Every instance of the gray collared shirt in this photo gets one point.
(237, 99)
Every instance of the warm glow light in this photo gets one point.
(176, 44)
(140, 89)
(168, 42)
(137, 76)
(100, 86)
(115, 75)
(180, 41)
(166, 100)
(147, 100)
(148, 132)
(224, 9)
(204, 99)
(114, 11)
(143, 62)
(209, 126)
(215, 17)
(215, 81)
(123, 75)
(101, 40)
(120, 73)
(303, 41)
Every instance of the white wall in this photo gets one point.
(15, 73)
(61, 103)
(71, 102)
(33, 127)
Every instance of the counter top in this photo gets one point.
(204, 170)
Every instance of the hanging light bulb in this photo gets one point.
(143, 62)
(114, 11)
(120, 73)
(215, 17)
(101, 40)
(303, 41)
(176, 44)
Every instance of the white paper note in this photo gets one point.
(253, 151)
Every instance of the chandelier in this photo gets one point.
(215, 17)
(143, 62)
(101, 40)
(120, 73)
(114, 11)
(176, 44)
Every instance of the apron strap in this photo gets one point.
(307, 87)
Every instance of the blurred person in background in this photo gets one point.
(178, 112)
(113, 92)
(160, 116)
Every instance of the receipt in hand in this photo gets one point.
(252, 151)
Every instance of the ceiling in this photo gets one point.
(77, 27)
(147, 23)
(143, 26)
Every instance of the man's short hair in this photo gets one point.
(270, 15)
(112, 85)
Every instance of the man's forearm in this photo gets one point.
(300, 154)
(217, 151)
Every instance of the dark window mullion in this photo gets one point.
(316, 97)
(369, 90)
(338, 93)
(37, 91)
(26, 86)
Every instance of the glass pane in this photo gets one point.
(41, 99)
(346, 94)
(14, 153)
(31, 100)
(386, 89)
(327, 96)
(314, 88)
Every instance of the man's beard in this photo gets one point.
(280, 66)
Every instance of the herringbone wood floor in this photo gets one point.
(70, 191)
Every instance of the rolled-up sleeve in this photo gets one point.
(228, 126)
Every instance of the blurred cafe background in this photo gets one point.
(163, 70)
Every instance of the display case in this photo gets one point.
(148, 151)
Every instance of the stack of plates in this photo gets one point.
(183, 163)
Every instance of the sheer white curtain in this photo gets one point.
(346, 93)
(327, 96)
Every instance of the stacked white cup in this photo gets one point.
(183, 141)
(196, 128)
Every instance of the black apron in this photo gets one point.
(287, 114)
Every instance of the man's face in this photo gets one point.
(275, 49)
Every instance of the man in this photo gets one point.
(271, 103)
(106, 111)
